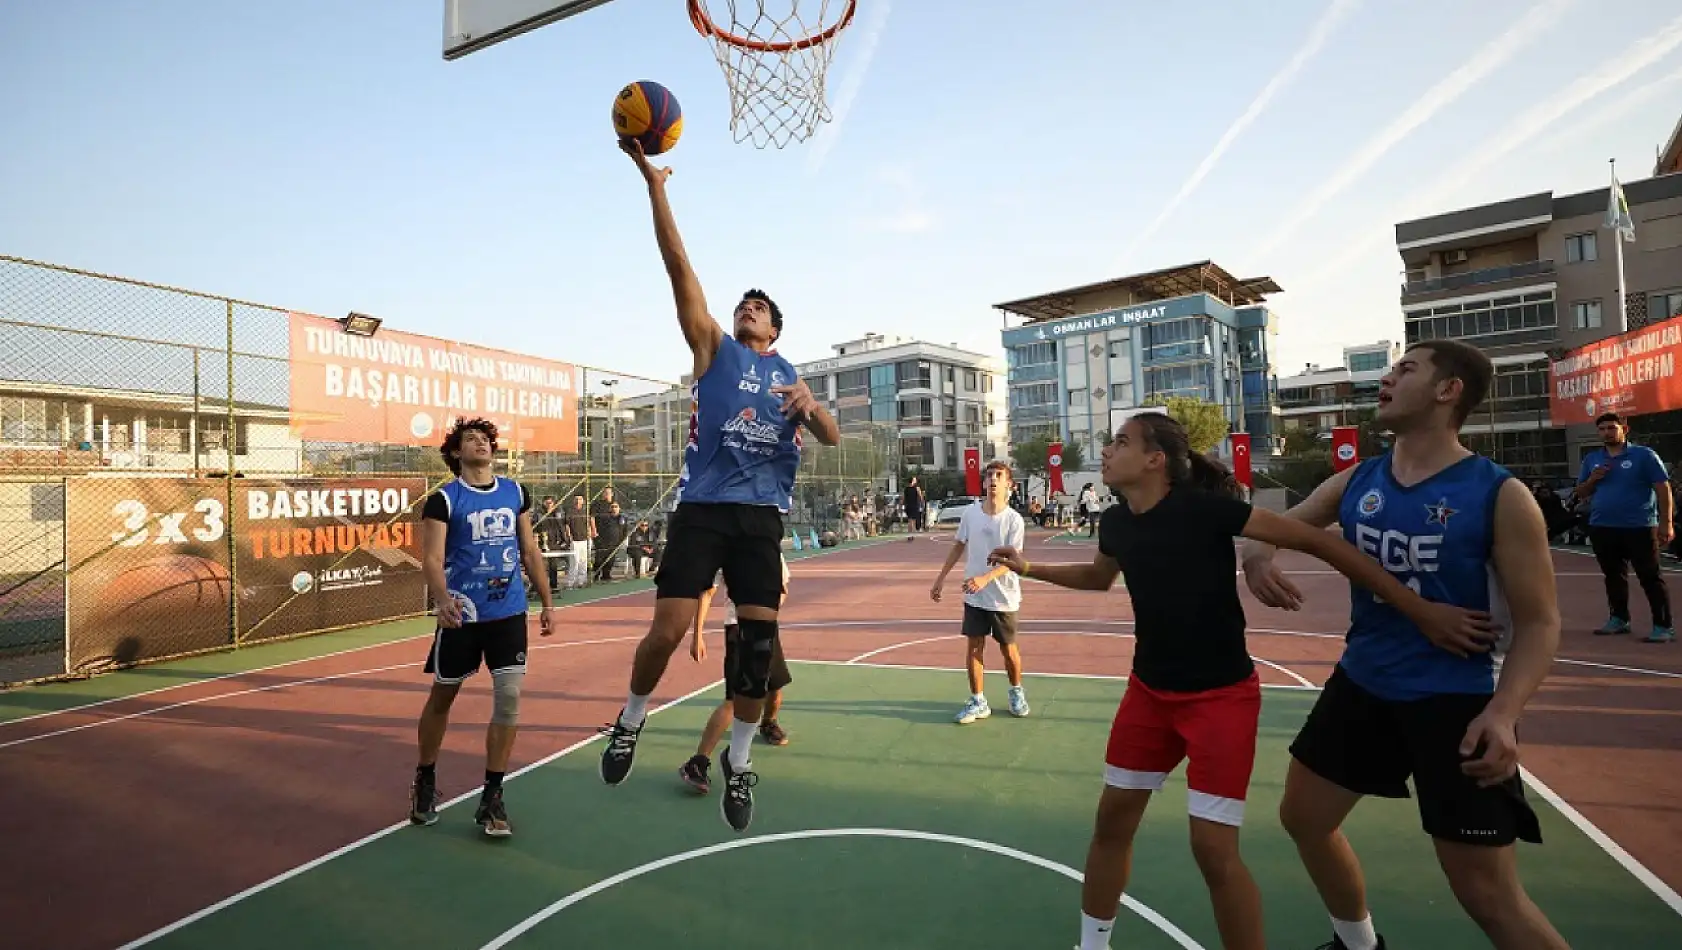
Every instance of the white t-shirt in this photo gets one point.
(980, 533)
(730, 605)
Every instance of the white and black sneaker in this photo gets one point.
(620, 753)
(736, 803)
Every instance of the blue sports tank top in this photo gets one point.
(741, 448)
(482, 549)
(1436, 538)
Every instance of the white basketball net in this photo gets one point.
(775, 56)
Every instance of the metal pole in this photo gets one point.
(228, 481)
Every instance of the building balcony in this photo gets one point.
(1479, 278)
(1034, 373)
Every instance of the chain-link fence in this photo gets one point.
(125, 406)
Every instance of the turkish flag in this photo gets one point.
(1241, 459)
(1054, 468)
(972, 472)
(1344, 447)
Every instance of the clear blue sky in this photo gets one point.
(321, 155)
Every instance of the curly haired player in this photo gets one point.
(1193, 691)
(476, 535)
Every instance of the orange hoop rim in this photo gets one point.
(705, 26)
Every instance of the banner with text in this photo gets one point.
(405, 389)
(149, 559)
(1631, 374)
(322, 553)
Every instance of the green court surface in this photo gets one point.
(881, 825)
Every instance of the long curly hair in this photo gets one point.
(452, 441)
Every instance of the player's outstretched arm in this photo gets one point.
(1099, 575)
(1452, 628)
(700, 330)
(1261, 575)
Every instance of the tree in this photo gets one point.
(1206, 425)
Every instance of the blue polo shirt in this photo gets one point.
(1625, 498)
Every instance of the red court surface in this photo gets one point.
(124, 817)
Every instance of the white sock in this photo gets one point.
(741, 743)
(636, 710)
(1358, 935)
(979, 697)
(1095, 933)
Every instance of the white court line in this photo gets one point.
(274, 686)
(264, 669)
(1105, 677)
(370, 839)
(1660, 889)
(514, 933)
(1054, 633)
(1621, 669)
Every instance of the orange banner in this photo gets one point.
(406, 389)
(1631, 374)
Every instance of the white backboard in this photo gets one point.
(472, 25)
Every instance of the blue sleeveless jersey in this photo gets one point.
(482, 549)
(741, 448)
(1436, 538)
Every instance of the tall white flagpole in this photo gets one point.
(1618, 246)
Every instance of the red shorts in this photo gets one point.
(1215, 729)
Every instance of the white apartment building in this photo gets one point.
(934, 400)
(1319, 398)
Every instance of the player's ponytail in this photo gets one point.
(1185, 467)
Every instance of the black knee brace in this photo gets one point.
(750, 668)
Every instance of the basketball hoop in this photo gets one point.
(775, 65)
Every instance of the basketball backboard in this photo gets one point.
(472, 25)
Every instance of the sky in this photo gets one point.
(322, 156)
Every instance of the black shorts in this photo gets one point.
(780, 676)
(457, 652)
(998, 624)
(1371, 746)
(745, 541)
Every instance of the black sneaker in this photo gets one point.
(694, 773)
(492, 816)
(423, 800)
(1338, 944)
(620, 753)
(737, 802)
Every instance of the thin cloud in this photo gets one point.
(1539, 119)
(1335, 14)
(850, 87)
(1475, 70)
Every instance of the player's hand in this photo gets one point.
(798, 401)
(1269, 584)
(1665, 533)
(449, 613)
(973, 585)
(651, 174)
(546, 622)
(1009, 558)
(1490, 748)
(1460, 632)
(934, 592)
(698, 647)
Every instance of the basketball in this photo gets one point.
(648, 112)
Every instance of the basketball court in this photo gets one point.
(264, 808)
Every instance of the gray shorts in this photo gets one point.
(998, 624)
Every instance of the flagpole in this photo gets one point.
(1618, 246)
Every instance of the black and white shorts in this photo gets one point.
(458, 652)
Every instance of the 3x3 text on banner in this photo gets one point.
(405, 389)
(1631, 374)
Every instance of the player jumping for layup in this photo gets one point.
(1460, 530)
(476, 534)
(737, 483)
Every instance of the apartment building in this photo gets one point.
(1532, 276)
(1319, 398)
(927, 400)
(1087, 354)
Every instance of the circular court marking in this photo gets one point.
(1155, 919)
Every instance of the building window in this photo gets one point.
(916, 412)
(1581, 248)
(1664, 306)
(1509, 321)
(1121, 394)
(1585, 315)
(915, 374)
(1038, 394)
(1368, 362)
(970, 382)
(986, 382)
(1077, 397)
(852, 382)
(1121, 349)
(917, 451)
(1034, 354)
